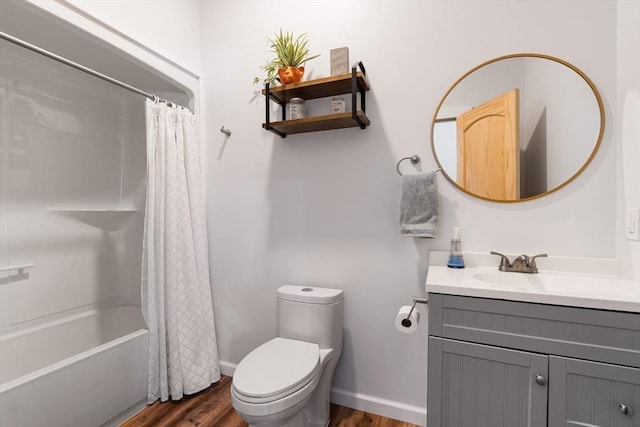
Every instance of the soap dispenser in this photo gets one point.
(455, 253)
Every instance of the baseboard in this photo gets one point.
(375, 405)
(363, 402)
(125, 415)
(227, 368)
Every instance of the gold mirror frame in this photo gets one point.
(522, 55)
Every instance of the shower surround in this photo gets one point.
(72, 188)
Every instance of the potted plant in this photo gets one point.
(291, 54)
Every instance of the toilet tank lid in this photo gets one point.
(310, 294)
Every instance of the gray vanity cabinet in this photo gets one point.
(494, 363)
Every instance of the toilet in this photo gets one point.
(286, 381)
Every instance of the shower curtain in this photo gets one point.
(183, 354)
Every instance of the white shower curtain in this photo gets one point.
(183, 354)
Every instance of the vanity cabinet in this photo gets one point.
(354, 83)
(498, 363)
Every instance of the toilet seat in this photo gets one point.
(276, 369)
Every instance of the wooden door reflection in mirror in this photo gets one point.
(487, 148)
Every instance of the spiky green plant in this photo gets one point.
(289, 50)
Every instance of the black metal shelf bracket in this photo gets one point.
(267, 114)
(354, 94)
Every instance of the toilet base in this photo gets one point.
(298, 420)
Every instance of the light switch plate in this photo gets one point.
(632, 224)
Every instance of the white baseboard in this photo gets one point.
(363, 402)
(227, 368)
(375, 405)
(125, 415)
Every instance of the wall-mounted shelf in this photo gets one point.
(354, 83)
(318, 123)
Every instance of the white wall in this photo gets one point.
(322, 208)
(628, 125)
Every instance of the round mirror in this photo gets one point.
(517, 127)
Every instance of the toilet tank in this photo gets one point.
(311, 314)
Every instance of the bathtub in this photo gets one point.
(85, 370)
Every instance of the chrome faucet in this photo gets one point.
(521, 264)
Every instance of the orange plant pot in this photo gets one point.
(290, 75)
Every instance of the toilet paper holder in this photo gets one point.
(416, 300)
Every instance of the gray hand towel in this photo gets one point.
(419, 204)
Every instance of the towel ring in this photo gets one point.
(415, 159)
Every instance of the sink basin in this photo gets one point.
(568, 284)
(556, 283)
(519, 281)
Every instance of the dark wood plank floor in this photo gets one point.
(212, 408)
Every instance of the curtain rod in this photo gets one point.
(82, 68)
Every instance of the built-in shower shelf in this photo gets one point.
(104, 219)
(18, 268)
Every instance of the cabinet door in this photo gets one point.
(591, 394)
(473, 385)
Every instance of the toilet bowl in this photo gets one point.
(286, 381)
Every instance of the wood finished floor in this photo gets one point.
(212, 408)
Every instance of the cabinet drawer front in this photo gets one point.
(600, 335)
(593, 394)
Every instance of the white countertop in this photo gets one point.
(569, 288)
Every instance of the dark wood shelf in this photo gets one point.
(353, 83)
(318, 88)
(318, 123)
